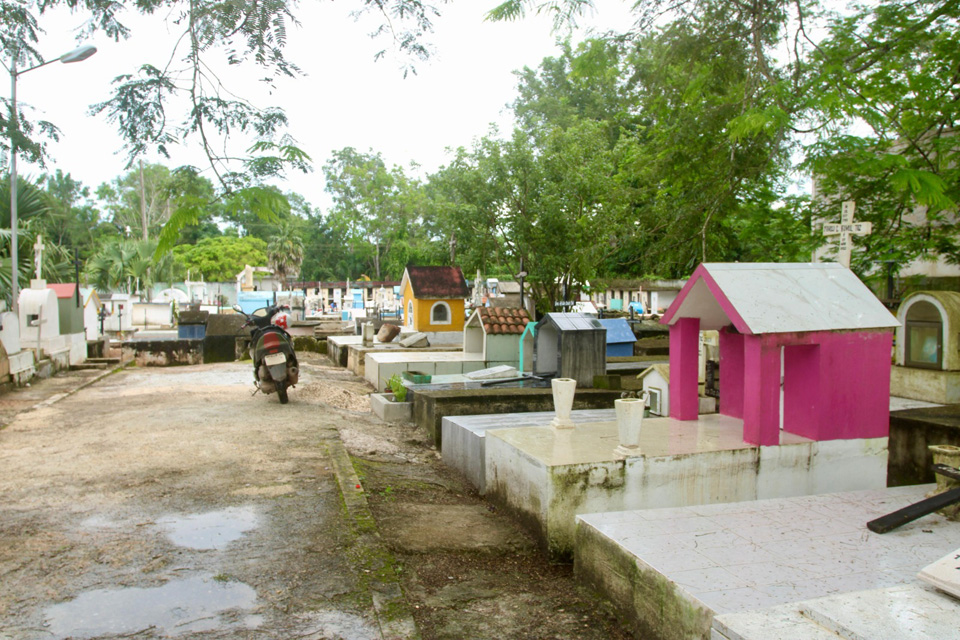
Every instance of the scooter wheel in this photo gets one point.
(282, 392)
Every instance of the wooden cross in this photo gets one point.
(845, 229)
(38, 254)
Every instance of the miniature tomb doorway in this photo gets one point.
(923, 347)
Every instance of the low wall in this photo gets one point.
(22, 367)
(152, 314)
(430, 407)
(309, 343)
(942, 387)
(163, 353)
(911, 431)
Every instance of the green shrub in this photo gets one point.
(396, 386)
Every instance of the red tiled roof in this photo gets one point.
(503, 320)
(64, 290)
(437, 283)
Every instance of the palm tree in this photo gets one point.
(32, 204)
(285, 251)
(110, 268)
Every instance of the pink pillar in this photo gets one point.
(684, 373)
(802, 391)
(761, 381)
(731, 374)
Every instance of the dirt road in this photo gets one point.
(172, 503)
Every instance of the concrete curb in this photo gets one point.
(86, 383)
(376, 565)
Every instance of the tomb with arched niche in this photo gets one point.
(927, 357)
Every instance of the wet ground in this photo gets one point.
(173, 503)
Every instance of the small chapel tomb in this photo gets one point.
(927, 365)
(816, 322)
(570, 345)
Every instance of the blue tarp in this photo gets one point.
(250, 301)
(620, 337)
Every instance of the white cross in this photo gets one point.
(38, 255)
(845, 229)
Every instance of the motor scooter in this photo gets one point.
(275, 366)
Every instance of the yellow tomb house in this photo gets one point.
(433, 302)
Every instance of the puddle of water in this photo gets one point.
(340, 625)
(211, 530)
(180, 606)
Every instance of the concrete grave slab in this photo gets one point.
(464, 437)
(716, 560)
(894, 613)
(546, 477)
(944, 573)
(415, 340)
(381, 366)
(492, 373)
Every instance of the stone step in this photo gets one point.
(87, 366)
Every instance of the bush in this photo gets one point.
(396, 386)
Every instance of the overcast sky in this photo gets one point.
(345, 99)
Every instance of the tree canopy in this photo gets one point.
(633, 154)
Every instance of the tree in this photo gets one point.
(72, 222)
(32, 207)
(371, 204)
(220, 259)
(285, 252)
(893, 68)
(146, 104)
(693, 164)
(110, 269)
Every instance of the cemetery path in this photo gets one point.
(172, 503)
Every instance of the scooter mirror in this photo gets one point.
(237, 308)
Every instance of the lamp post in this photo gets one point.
(77, 55)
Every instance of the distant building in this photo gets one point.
(433, 299)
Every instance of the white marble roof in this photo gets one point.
(778, 298)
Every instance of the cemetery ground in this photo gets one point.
(170, 502)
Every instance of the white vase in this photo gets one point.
(367, 334)
(563, 392)
(629, 422)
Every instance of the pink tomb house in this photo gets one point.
(817, 325)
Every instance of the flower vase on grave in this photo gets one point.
(949, 455)
(367, 333)
(563, 392)
(629, 421)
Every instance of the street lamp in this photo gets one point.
(77, 55)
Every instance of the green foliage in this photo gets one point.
(220, 259)
(376, 210)
(396, 387)
(285, 251)
(893, 68)
(33, 207)
(125, 265)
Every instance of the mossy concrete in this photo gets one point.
(163, 353)
(309, 343)
(650, 605)
(431, 406)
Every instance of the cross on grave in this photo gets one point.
(38, 255)
(845, 229)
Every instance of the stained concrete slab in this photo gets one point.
(546, 476)
(464, 437)
(719, 559)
